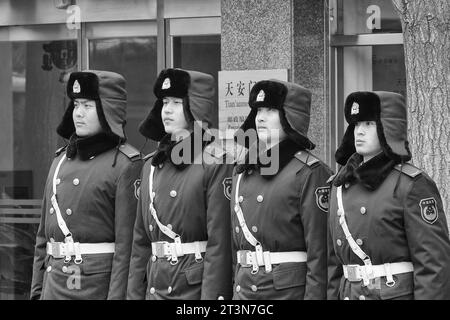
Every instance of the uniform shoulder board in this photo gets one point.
(330, 179)
(60, 150)
(131, 152)
(149, 155)
(408, 169)
(307, 158)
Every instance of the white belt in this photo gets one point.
(247, 258)
(61, 249)
(164, 249)
(355, 273)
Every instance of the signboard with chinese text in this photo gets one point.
(234, 89)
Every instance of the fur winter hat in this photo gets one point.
(195, 88)
(292, 100)
(388, 110)
(108, 90)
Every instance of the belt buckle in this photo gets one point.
(160, 249)
(56, 250)
(353, 273)
(244, 258)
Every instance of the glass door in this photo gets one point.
(128, 48)
(35, 62)
(194, 44)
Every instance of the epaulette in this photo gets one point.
(307, 158)
(60, 150)
(330, 179)
(408, 169)
(131, 152)
(149, 155)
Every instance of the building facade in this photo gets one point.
(332, 47)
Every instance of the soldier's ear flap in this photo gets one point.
(66, 128)
(347, 147)
(152, 127)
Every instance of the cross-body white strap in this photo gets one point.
(353, 245)
(247, 234)
(162, 227)
(68, 239)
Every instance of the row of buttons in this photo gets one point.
(363, 211)
(254, 229)
(253, 287)
(359, 242)
(68, 211)
(259, 198)
(75, 181)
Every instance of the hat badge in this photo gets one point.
(166, 84)
(355, 108)
(76, 87)
(261, 96)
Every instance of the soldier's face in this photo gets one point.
(172, 115)
(367, 143)
(85, 118)
(268, 125)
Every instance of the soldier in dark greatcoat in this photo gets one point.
(279, 200)
(388, 232)
(181, 246)
(83, 243)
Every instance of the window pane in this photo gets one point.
(135, 59)
(32, 102)
(368, 16)
(200, 53)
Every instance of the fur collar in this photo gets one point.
(286, 150)
(371, 174)
(165, 146)
(89, 147)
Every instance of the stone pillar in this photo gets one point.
(282, 34)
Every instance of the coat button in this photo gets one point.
(237, 229)
(220, 298)
(361, 297)
(173, 193)
(340, 213)
(68, 212)
(150, 227)
(236, 208)
(238, 288)
(254, 288)
(260, 198)
(241, 198)
(169, 289)
(153, 194)
(254, 229)
(161, 165)
(339, 242)
(152, 290)
(49, 268)
(58, 181)
(76, 181)
(347, 185)
(169, 226)
(52, 211)
(91, 157)
(359, 242)
(64, 269)
(154, 258)
(363, 210)
(249, 172)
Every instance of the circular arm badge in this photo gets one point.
(322, 196)
(428, 210)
